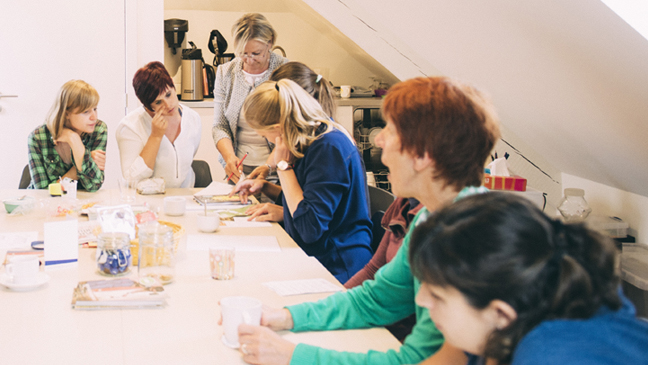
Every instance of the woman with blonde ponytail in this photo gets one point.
(503, 281)
(323, 192)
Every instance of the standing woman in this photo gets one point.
(502, 280)
(254, 38)
(160, 138)
(323, 183)
(72, 142)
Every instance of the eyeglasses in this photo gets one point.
(255, 56)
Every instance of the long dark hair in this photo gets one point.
(310, 81)
(499, 246)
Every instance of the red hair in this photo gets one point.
(150, 81)
(451, 122)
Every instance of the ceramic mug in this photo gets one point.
(175, 205)
(345, 91)
(235, 311)
(22, 269)
(209, 222)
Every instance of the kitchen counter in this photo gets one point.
(358, 102)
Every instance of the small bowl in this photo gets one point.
(13, 203)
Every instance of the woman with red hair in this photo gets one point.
(160, 138)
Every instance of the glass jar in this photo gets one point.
(156, 259)
(113, 253)
(574, 207)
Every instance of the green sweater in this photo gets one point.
(379, 302)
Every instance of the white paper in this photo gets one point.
(202, 242)
(17, 240)
(61, 242)
(243, 222)
(306, 286)
(216, 188)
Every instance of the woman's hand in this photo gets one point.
(265, 213)
(246, 188)
(68, 136)
(260, 172)
(99, 157)
(281, 152)
(277, 319)
(159, 124)
(261, 345)
(231, 167)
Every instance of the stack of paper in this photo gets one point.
(118, 293)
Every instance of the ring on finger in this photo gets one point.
(244, 349)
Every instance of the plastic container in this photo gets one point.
(611, 226)
(574, 207)
(634, 272)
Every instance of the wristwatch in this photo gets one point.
(284, 165)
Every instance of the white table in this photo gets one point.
(41, 327)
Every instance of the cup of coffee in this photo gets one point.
(22, 270)
(221, 262)
(345, 91)
(175, 205)
(208, 222)
(235, 311)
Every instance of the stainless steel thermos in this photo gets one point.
(192, 74)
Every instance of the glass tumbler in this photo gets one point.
(156, 258)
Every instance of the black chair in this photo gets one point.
(203, 173)
(25, 179)
(379, 201)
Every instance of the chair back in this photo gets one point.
(203, 173)
(379, 199)
(25, 179)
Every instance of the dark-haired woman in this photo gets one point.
(160, 138)
(503, 281)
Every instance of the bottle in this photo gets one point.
(573, 206)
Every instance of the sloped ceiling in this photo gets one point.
(568, 77)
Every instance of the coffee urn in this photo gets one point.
(192, 74)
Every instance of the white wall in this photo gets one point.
(609, 201)
(301, 40)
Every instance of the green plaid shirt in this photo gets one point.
(46, 166)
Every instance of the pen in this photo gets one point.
(237, 166)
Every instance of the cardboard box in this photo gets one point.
(515, 183)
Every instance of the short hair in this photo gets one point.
(313, 83)
(451, 122)
(150, 81)
(74, 96)
(252, 26)
(499, 246)
(286, 103)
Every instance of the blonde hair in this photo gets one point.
(252, 26)
(298, 114)
(74, 96)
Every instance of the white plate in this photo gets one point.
(41, 279)
(372, 135)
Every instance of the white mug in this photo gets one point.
(235, 311)
(175, 205)
(345, 91)
(22, 269)
(208, 223)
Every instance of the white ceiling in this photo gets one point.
(568, 77)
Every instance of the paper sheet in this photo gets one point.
(243, 222)
(202, 242)
(216, 188)
(61, 242)
(15, 240)
(297, 287)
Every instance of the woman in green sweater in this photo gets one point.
(438, 136)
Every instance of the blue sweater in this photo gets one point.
(332, 222)
(609, 337)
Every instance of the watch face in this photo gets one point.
(282, 165)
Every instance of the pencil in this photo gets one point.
(237, 167)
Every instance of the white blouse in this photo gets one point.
(173, 161)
